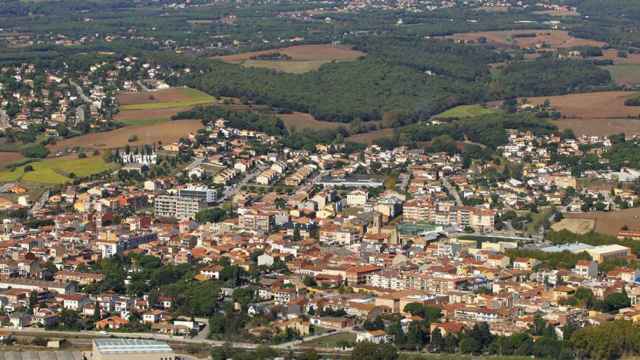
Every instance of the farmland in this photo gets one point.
(165, 132)
(577, 226)
(298, 121)
(9, 157)
(625, 74)
(596, 105)
(56, 171)
(163, 99)
(370, 137)
(302, 58)
(556, 39)
(466, 111)
(611, 222)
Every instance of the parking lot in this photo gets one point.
(41, 355)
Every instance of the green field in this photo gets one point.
(196, 97)
(292, 67)
(466, 111)
(332, 341)
(56, 171)
(143, 122)
(625, 74)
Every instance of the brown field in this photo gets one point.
(370, 137)
(303, 53)
(600, 127)
(559, 12)
(7, 158)
(554, 38)
(597, 105)
(166, 133)
(299, 121)
(612, 222)
(304, 58)
(598, 113)
(577, 226)
(160, 96)
(612, 54)
(132, 115)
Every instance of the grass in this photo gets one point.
(290, 66)
(627, 74)
(56, 171)
(466, 111)
(143, 122)
(332, 341)
(413, 356)
(196, 97)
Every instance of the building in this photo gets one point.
(352, 181)
(130, 349)
(39, 285)
(201, 193)
(357, 198)
(606, 252)
(178, 206)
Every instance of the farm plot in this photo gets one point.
(466, 111)
(163, 99)
(625, 74)
(56, 171)
(165, 133)
(299, 59)
(612, 222)
(523, 39)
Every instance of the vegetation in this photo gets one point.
(195, 98)
(56, 171)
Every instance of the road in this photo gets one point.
(452, 190)
(81, 93)
(230, 190)
(293, 345)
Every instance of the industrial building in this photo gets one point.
(130, 349)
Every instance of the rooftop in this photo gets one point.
(129, 346)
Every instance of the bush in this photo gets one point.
(82, 155)
(133, 138)
(38, 151)
(28, 168)
(39, 341)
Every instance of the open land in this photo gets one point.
(163, 99)
(300, 121)
(612, 222)
(370, 137)
(57, 171)
(466, 111)
(553, 38)
(597, 113)
(166, 132)
(576, 226)
(303, 58)
(625, 74)
(7, 158)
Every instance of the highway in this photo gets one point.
(78, 336)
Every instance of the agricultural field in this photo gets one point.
(600, 127)
(612, 222)
(7, 158)
(556, 39)
(299, 121)
(612, 54)
(164, 132)
(56, 171)
(576, 226)
(163, 99)
(302, 58)
(332, 341)
(625, 74)
(596, 105)
(466, 111)
(371, 136)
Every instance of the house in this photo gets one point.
(586, 268)
(357, 198)
(112, 322)
(211, 272)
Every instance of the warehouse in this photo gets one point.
(131, 349)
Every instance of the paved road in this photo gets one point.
(81, 93)
(452, 190)
(40, 355)
(233, 189)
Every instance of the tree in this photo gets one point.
(376, 324)
(617, 301)
(309, 281)
(369, 351)
(437, 341)
(38, 151)
(416, 336)
(469, 345)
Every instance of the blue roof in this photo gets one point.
(574, 248)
